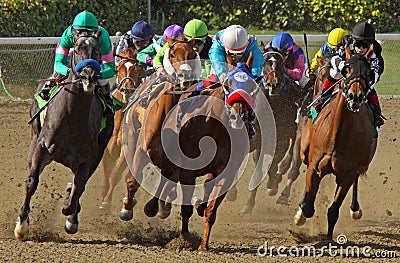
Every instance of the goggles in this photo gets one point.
(235, 54)
(362, 43)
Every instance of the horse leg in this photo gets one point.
(294, 171)
(71, 206)
(187, 208)
(201, 205)
(106, 166)
(114, 178)
(355, 210)
(39, 158)
(343, 186)
(132, 184)
(251, 201)
(306, 209)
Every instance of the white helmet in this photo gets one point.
(235, 39)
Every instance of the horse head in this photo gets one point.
(240, 91)
(130, 73)
(273, 70)
(86, 59)
(322, 73)
(357, 74)
(182, 59)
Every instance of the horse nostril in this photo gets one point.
(351, 96)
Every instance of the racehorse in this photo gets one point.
(312, 88)
(282, 95)
(72, 132)
(130, 73)
(215, 124)
(339, 142)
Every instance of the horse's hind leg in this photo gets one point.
(343, 186)
(114, 177)
(39, 158)
(355, 210)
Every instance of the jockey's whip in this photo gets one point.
(305, 43)
(321, 95)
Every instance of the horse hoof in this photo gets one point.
(356, 214)
(231, 195)
(246, 209)
(105, 206)
(163, 214)
(21, 231)
(299, 219)
(126, 215)
(272, 191)
(283, 200)
(70, 228)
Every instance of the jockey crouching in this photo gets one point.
(233, 45)
(360, 41)
(85, 21)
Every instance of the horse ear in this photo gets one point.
(262, 45)
(348, 52)
(170, 41)
(249, 62)
(98, 33)
(369, 52)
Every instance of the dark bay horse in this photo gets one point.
(71, 134)
(130, 73)
(282, 95)
(339, 142)
(312, 88)
(180, 149)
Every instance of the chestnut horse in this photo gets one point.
(177, 149)
(72, 132)
(339, 142)
(282, 95)
(312, 91)
(130, 73)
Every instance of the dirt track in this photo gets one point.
(103, 237)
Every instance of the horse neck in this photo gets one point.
(343, 119)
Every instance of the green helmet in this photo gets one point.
(196, 28)
(85, 21)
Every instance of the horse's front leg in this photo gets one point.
(74, 192)
(306, 209)
(39, 158)
(355, 210)
(343, 186)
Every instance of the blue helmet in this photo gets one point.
(282, 40)
(142, 30)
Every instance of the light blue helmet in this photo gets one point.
(282, 40)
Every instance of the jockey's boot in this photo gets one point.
(251, 118)
(376, 108)
(44, 93)
(111, 107)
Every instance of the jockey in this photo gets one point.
(198, 30)
(234, 42)
(360, 41)
(139, 37)
(334, 38)
(147, 54)
(84, 21)
(294, 60)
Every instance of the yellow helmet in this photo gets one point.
(335, 36)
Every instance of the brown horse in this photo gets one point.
(339, 142)
(178, 150)
(312, 88)
(71, 133)
(130, 73)
(282, 95)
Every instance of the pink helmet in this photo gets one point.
(172, 31)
